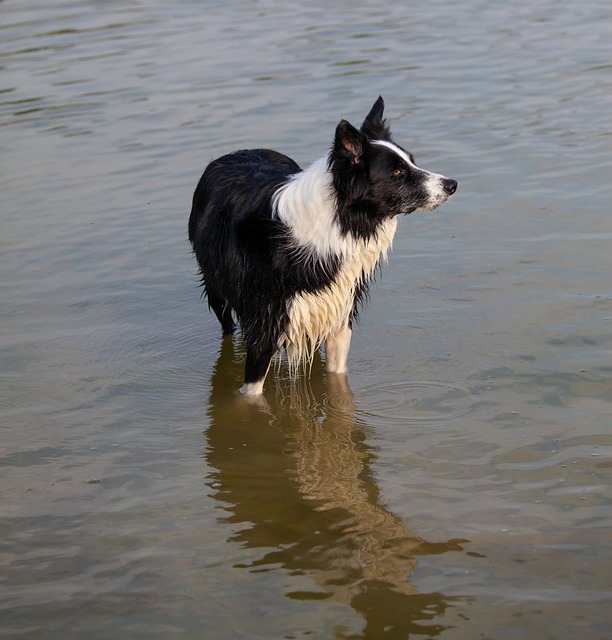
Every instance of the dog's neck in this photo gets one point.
(307, 206)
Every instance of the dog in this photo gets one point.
(289, 253)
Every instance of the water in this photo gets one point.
(460, 488)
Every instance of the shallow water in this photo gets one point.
(460, 486)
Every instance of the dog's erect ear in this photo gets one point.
(375, 126)
(349, 143)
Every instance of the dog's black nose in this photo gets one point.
(450, 186)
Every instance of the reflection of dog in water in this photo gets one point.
(290, 252)
(294, 473)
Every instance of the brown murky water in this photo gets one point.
(457, 484)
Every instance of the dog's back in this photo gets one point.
(235, 186)
(236, 242)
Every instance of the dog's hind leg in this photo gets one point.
(337, 348)
(256, 368)
(222, 310)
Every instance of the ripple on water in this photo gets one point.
(414, 401)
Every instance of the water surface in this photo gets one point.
(458, 484)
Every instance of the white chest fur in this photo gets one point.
(313, 317)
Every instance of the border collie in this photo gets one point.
(289, 253)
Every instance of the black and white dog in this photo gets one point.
(290, 253)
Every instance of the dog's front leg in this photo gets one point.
(255, 371)
(337, 347)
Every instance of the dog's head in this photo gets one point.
(375, 178)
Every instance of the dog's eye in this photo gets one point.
(397, 172)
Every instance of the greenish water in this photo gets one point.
(458, 486)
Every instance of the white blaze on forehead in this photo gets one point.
(400, 152)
